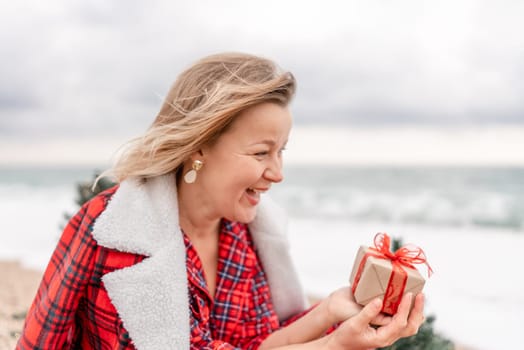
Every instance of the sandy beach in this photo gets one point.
(17, 290)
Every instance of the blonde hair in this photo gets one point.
(198, 108)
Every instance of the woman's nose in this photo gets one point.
(273, 172)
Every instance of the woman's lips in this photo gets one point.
(253, 195)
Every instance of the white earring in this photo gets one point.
(191, 175)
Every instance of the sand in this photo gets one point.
(18, 286)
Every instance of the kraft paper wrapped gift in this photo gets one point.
(378, 272)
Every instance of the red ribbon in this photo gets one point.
(405, 256)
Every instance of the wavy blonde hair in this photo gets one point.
(198, 108)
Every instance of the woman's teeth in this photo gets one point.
(256, 191)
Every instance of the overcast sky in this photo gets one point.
(101, 67)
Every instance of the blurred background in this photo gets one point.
(408, 119)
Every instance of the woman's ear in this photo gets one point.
(198, 155)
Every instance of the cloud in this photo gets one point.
(99, 67)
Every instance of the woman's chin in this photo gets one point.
(244, 216)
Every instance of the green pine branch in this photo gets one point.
(85, 191)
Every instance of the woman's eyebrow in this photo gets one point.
(266, 142)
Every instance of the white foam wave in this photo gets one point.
(426, 207)
(31, 220)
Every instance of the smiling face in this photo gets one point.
(242, 163)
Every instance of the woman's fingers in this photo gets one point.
(363, 319)
(388, 334)
(406, 321)
(416, 317)
(404, 308)
(381, 320)
(355, 332)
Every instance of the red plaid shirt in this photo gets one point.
(72, 308)
(241, 314)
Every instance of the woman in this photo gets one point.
(185, 252)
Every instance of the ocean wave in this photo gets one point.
(457, 198)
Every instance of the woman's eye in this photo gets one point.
(261, 154)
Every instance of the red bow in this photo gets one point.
(406, 255)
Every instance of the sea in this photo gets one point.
(468, 220)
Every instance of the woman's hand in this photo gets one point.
(341, 305)
(356, 332)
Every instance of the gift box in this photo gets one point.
(378, 272)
